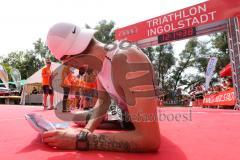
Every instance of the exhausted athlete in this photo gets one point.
(125, 75)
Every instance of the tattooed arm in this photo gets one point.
(100, 109)
(111, 142)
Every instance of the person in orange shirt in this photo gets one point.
(79, 92)
(66, 87)
(89, 89)
(46, 84)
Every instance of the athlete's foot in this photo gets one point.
(51, 108)
(45, 108)
(64, 111)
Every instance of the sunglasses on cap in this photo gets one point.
(65, 57)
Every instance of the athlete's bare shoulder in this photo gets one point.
(131, 55)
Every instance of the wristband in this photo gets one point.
(82, 143)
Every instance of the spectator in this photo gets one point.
(224, 85)
(229, 83)
(66, 88)
(89, 88)
(79, 93)
(34, 91)
(47, 77)
(199, 95)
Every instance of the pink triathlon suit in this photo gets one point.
(105, 77)
(118, 109)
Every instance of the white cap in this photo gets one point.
(68, 39)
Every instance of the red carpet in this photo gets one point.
(209, 134)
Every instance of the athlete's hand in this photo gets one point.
(61, 138)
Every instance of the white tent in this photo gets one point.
(36, 81)
(36, 78)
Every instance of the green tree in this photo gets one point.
(29, 61)
(30, 64)
(13, 60)
(150, 53)
(26, 62)
(41, 51)
(187, 58)
(216, 47)
(219, 42)
(196, 54)
(105, 31)
(164, 58)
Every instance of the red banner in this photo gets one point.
(226, 71)
(225, 98)
(203, 13)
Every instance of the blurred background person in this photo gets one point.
(47, 77)
(89, 90)
(65, 84)
(34, 91)
(80, 87)
(229, 83)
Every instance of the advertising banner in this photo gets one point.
(224, 98)
(184, 19)
(210, 71)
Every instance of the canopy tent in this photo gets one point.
(226, 71)
(36, 78)
(36, 81)
(22, 82)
